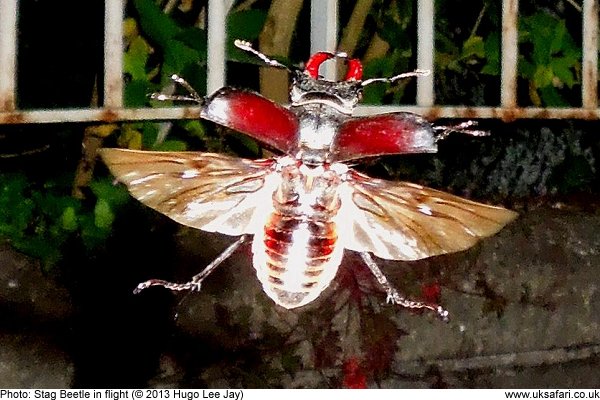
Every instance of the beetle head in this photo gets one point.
(309, 88)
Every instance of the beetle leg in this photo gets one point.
(172, 97)
(464, 127)
(196, 281)
(394, 297)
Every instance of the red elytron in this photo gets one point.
(305, 207)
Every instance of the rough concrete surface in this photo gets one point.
(524, 304)
(33, 308)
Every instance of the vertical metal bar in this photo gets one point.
(510, 53)
(425, 51)
(323, 31)
(589, 85)
(113, 53)
(8, 54)
(217, 36)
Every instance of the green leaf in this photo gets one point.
(394, 22)
(136, 93)
(195, 128)
(103, 215)
(526, 68)
(130, 138)
(541, 51)
(446, 45)
(156, 24)
(136, 58)
(491, 48)
(178, 56)
(246, 24)
(562, 68)
(41, 248)
(380, 67)
(171, 145)
(105, 189)
(559, 34)
(53, 205)
(91, 235)
(543, 76)
(149, 134)
(473, 47)
(16, 206)
(571, 51)
(551, 97)
(195, 39)
(69, 219)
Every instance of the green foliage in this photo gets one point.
(244, 25)
(386, 66)
(393, 28)
(549, 58)
(160, 45)
(491, 49)
(157, 25)
(42, 219)
(181, 50)
(551, 61)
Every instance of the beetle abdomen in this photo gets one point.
(296, 258)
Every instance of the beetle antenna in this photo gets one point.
(193, 96)
(463, 127)
(414, 74)
(247, 46)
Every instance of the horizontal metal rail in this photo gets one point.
(324, 34)
(173, 113)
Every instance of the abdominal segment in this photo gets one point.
(296, 258)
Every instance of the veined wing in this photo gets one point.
(207, 191)
(405, 221)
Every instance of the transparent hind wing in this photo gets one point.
(405, 221)
(207, 191)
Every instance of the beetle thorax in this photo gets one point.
(308, 191)
(317, 131)
(318, 126)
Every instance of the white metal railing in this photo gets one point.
(8, 54)
(323, 37)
